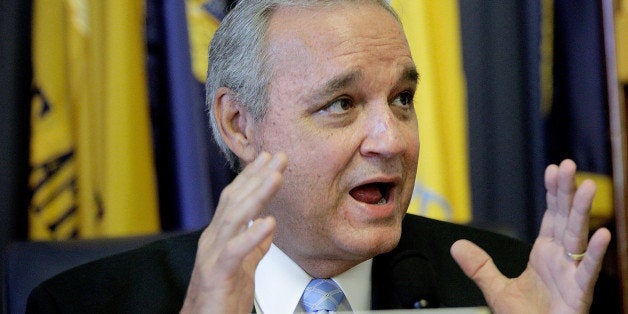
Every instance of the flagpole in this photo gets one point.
(617, 120)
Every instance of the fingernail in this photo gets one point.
(262, 158)
(278, 160)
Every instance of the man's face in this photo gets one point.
(341, 108)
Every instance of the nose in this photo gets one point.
(384, 133)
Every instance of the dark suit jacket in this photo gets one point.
(154, 279)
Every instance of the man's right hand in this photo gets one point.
(229, 250)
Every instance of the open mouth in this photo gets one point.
(373, 193)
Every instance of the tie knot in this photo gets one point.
(321, 295)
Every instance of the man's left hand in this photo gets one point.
(564, 264)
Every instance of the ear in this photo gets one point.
(235, 124)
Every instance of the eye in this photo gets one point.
(339, 106)
(404, 100)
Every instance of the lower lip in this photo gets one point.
(375, 211)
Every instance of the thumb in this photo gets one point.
(479, 266)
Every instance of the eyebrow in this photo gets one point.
(411, 74)
(344, 80)
(339, 82)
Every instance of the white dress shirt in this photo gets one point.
(279, 284)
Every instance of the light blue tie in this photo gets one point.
(321, 296)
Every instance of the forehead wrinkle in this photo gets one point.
(354, 44)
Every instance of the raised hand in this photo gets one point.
(564, 264)
(229, 250)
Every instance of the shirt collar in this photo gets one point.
(356, 284)
(279, 283)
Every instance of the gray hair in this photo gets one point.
(238, 59)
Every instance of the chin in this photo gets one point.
(373, 241)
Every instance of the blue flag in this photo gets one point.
(578, 122)
(191, 170)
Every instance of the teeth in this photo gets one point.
(382, 201)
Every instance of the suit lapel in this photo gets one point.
(403, 279)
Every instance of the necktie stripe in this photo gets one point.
(321, 295)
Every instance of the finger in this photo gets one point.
(577, 231)
(589, 267)
(265, 184)
(252, 184)
(251, 176)
(244, 186)
(564, 197)
(258, 175)
(240, 182)
(251, 206)
(257, 237)
(232, 215)
(547, 224)
(260, 164)
(551, 185)
(479, 266)
(251, 169)
(253, 197)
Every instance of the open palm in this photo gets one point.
(553, 282)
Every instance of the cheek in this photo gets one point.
(414, 145)
(316, 162)
(319, 151)
(414, 152)
(316, 166)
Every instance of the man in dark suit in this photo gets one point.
(313, 102)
